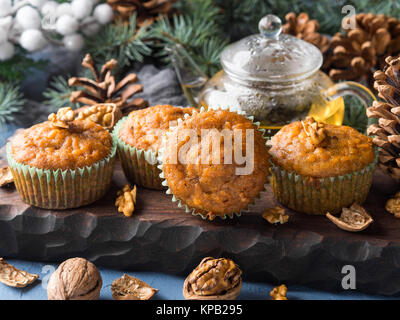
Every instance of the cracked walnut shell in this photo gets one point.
(104, 114)
(13, 277)
(126, 200)
(279, 293)
(393, 205)
(213, 279)
(75, 279)
(353, 219)
(131, 288)
(275, 215)
(5, 176)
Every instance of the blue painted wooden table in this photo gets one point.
(170, 287)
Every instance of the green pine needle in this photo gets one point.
(58, 93)
(19, 66)
(196, 30)
(121, 42)
(11, 102)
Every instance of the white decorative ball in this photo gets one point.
(6, 51)
(92, 29)
(28, 18)
(49, 7)
(5, 23)
(73, 42)
(81, 8)
(64, 8)
(32, 40)
(37, 3)
(3, 35)
(5, 8)
(103, 13)
(66, 25)
(90, 26)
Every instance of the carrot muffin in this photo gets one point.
(62, 166)
(321, 167)
(139, 136)
(209, 167)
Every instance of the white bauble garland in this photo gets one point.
(33, 24)
(28, 18)
(37, 3)
(5, 8)
(103, 13)
(74, 42)
(49, 7)
(6, 51)
(81, 8)
(64, 8)
(66, 25)
(32, 40)
(3, 36)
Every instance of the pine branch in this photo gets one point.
(19, 66)
(121, 42)
(196, 30)
(58, 93)
(11, 102)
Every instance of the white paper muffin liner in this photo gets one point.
(139, 166)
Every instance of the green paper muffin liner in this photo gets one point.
(194, 211)
(318, 196)
(62, 189)
(140, 166)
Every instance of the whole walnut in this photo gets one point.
(75, 279)
(213, 279)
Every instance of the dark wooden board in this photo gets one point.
(309, 250)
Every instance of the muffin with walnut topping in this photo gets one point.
(320, 168)
(62, 164)
(139, 137)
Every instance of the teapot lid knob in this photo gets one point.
(270, 26)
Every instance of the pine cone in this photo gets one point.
(387, 132)
(147, 10)
(304, 28)
(358, 52)
(104, 89)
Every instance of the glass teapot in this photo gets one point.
(272, 76)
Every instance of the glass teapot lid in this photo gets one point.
(271, 56)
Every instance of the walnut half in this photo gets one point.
(63, 117)
(104, 114)
(393, 205)
(353, 219)
(279, 293)
(6, 177)
(315, 131)
(275, 215)
(126, 200)
(213, 279)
